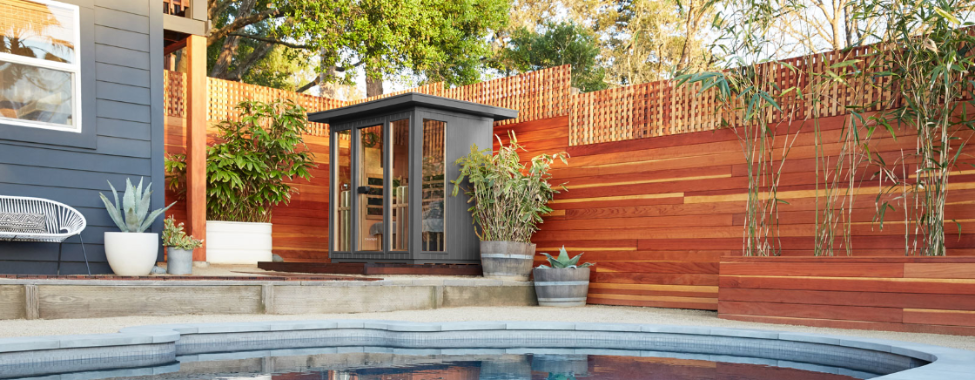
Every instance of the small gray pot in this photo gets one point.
(179, 261)
(564, 287)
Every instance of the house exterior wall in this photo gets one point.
(122, 110)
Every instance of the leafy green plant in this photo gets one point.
(927, 60)
(250, 169)
(133, 214)
(509, 198)
(563, 261)
(174, 236)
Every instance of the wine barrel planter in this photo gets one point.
(507, 260)
(564, 287)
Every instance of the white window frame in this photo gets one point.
(73, 68)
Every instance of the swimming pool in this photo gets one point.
(526, 349)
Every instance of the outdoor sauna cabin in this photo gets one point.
(391, 162)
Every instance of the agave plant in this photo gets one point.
(133, 215)
(563, 261)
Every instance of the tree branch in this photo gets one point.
(240, 23)
(271, 41)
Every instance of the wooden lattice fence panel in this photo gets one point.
(174, 91)
(224, 96)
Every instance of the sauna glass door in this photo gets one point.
(369, 189)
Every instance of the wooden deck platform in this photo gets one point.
(373, 268)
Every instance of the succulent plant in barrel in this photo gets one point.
(563, 261)
(132, 252)
(564, 282)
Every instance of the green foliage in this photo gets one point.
(509, 199)
(251, 169)
(133, 214)
(442, 39)
(563, 261)
(560, 44)
(925, 57)
(174, 236)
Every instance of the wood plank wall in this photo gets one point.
(910, 294)
(656, 215)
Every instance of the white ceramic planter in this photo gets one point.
(131, 254)
(238, 242)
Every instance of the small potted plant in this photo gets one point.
(509, 201)
(132, 252)
(180, 246)
(565, 283)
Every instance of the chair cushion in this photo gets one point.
(22, 223)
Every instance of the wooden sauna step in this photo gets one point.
(374, 268)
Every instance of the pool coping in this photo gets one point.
(945, 362)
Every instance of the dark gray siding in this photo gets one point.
(123, 82)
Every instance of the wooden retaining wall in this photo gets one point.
(909, 294)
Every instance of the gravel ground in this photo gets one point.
(620, 314)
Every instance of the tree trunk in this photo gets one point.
(227, 53)
(374, 83)
(326, 89)
(229, 49)
(256, 56)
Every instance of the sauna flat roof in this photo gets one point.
(407, 100)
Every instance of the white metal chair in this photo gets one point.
(61, 222)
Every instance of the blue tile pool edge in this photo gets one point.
(946, 363)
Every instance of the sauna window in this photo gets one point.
(434, 185)
(399, 168)
(342, 204)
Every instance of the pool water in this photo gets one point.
(387, 366)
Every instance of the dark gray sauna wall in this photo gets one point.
(122, 100)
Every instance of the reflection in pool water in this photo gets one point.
(385, 366)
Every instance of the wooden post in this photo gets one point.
(196, 141)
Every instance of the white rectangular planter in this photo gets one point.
(238, 242)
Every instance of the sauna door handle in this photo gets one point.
(363, 190)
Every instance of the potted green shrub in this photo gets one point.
(509, 201)
(564, 282)
(249, 171)
(179, 247)
(132, 252)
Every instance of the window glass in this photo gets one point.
(399, 205)
(39, 64)
(38, 30)
(342, 203)
(434, 185)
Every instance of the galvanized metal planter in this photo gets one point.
(507, 260)
(179, 261)
(562, 287)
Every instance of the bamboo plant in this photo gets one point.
(927, 61)
(508, 197)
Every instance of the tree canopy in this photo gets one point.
(556, 45)
(443, 39)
